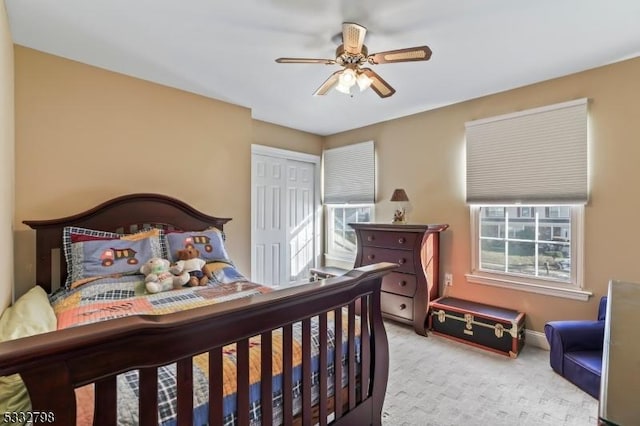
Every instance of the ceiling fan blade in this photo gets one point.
(328, 84)
(353, 37)
(305, 61)
(420, 53)
(381, 87)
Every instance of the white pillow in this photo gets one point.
(30, 314)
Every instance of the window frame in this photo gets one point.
(553, 287)
(330, 251)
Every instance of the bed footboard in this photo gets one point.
(53, 365)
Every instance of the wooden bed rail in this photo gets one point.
(53, 364)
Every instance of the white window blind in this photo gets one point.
(349, 174)
(535, 156)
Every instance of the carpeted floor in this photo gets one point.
(438, 382)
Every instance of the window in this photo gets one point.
(536, 246)
(541, 252)
(526, 188)
(341, 238)
(348, 174)
(525, 211)
(348, 182)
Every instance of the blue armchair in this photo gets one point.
(576, 350)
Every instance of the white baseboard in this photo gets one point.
(536, 338)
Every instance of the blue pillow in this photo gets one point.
(90, 253)
(210, 244)
(110, 257)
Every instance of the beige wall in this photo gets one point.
(286, 138)
(6, 160)
(84, 135)
(424, 154)
(73, 120)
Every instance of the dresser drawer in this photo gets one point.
(399, 306)
(396, 240)
(402, 284)
(374, 255)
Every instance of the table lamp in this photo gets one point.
(399, 195)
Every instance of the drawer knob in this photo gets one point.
(371, 256)
(403, 307)
(402, 240)
(402, 283)
(371, 238)
(402, 261)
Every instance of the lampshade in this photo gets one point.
(399, 195)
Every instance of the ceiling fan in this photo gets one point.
(352, 54)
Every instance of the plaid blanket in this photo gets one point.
(117, 297)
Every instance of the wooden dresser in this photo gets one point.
(406, 292)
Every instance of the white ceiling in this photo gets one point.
(225, 49)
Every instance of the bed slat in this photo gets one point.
(148, 402)
(215, 387)
(337, 363)
(287, 372)
(323, 411)
(351, 366)
(106, 401)
(184, 390)
(306, 371)
(365, 356)
(266, 382)
(242, 366)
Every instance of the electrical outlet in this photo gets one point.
(448, 279)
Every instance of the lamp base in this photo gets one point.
(399, 217)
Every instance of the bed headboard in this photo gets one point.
(125, 214)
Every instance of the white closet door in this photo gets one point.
(284, 219)
(300, 218)
(269, 232)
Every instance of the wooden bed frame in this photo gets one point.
(53, 365)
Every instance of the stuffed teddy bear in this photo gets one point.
(158, 276)
(191, 263)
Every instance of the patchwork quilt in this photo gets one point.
(109, 298)
(115, 297)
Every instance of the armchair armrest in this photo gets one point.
(570, 336)
(602, 308)
(579, 335)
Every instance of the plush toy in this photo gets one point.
(191, 263)
(158, 276)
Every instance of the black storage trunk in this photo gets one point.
(488, 327)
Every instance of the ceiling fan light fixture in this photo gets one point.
(364, 81)
(346, 81)
(343, 88)
(352, 54)
(348, 77)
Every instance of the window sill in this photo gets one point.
(345, 262)
(548, 290)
